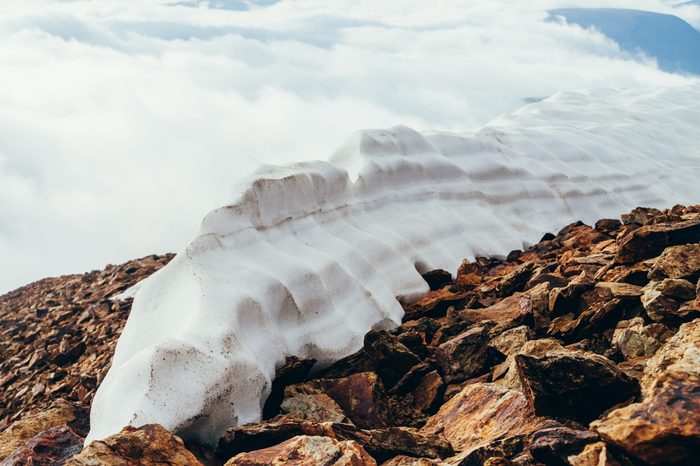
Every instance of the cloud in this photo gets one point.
(123, 123)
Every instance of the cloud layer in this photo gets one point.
(123, 123)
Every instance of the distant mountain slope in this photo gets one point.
(673, 42)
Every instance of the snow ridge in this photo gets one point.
(311, 256)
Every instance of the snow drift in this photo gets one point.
(309, 257)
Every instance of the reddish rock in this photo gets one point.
(390, 358)
(633, 339)
(597, 454)
(146, 445)
(437, 279)
(554, 445)
(682, 261)
(676, 288)
(573, 385)
(403, 460)
(508, 313)
(428, 393)
(650, 240)
(306, 450)
(306, 403)
(293, 371)
(54, 446)
(463, 356)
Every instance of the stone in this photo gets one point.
(573, 385)
(641, 216)
(555, 444)
(676, 288)
(311, 404)
(403, 460)
(634, 339)
(464, 356)
(60, 413)
(512, 340)
(535, 302)
(132, 446)
(686, 340)
(428, 393)
(608, 225)
(437, 279)
(293, 371)
(682, 261)
(610, 290)
(54, 446)
(508, 313)
(657, 305)
(650, 240)
(482, 413)
(390, 358)
(306, 450)
(596, 454)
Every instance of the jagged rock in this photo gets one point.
(608, 225)
(307, 403)
(361, 397)
(676, 288)
(303, 450)
(435, 303)
(146, 445)
(664, 428)
(390, 358)
(403, 460)
(597, 454)
(573, 385)
(682, 261)
(293, 371)
(641, 216)
(437, 279)
(659, 306)
(634, 339)
(481, 414)
(429, 391)
(511, 341)
(554, 445)
(610, 290)
(61, 412)
(508, 313)
(54, 446)
(650, 240)
(506, 373)
(563, 300)
(535, 302)
(464, 355)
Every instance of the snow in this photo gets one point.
(309, 257)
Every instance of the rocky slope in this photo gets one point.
(582, 350)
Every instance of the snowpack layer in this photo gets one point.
(309, 257)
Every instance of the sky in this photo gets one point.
(122, 123)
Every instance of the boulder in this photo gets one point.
(511, 341)
(463, 356)
(682, 261)
(481, 414)
(437, 279)
(573, 384)
(552, 446)
(132, 446)
(390, 358)
(54, 446)
(664, 428)
(633, 339)
(506, 373)
(307, 403)
(61, 412)
(650, 240)
(676, 288)
(508, 313)
(307, 450)
(428, 393)
(657, 305)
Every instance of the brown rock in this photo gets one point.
(511, 341)
(634, 339)
(146, 445)
(463, 356)
(60, 413)
(508, 313)
(555, 444)
(437, 279)
(659, 306)
(390, 358)
(682, 261)
(293, 371)
(535, 302)
(482, 413)
(608, 225)
(573, 385)
(676, 288)
(403, 460)
(610, 290)
(641, 216)
(429, 391)
(650, 240)
(673, 352)
(306, 403)
(306, 450)
(596, 454)
(507, 371)
(54, 446)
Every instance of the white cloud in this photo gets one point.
(122, 123)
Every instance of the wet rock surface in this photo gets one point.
(582, 350)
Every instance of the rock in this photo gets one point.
(361, 397)
(428, 393)
(650, 240)
(146, 445)
(608, 225)
(436, 303)
(573, 385)
(535, 302)
(596, 454)
(634, 339)
(293, 371)
(508, 313)
(307, 450)
(384, 444)
(482, 413)
(390, 358)
(676, 288)
(54, 446)
(403, 460)
(463, 356)
(641, 216)
(311, 404)
(554, 445)
(682, 261)
(505, 374)
(664, 428)
(697, 297)
(658, 306)
(60, 413)
(511, 341)
(610, 290)
(437, 279)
